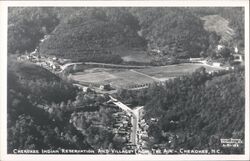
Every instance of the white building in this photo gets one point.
(83, 88)
(238, 58)
(236, 49)
(220, 47)
(156, 51)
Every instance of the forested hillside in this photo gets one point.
(45, 112)
(89, 34)
(27, 25)
(235, 17)
(175, 31)
(194, 112)
(92, 34)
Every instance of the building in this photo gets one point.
(238, 58)
(236, 50)
(154, 120)
(83, 88)
(195, 59)
(220, 47)
(118, 125)
(156, 51)
(34, 52)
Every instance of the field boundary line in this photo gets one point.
(154, 78)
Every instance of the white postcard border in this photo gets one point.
(193, 3)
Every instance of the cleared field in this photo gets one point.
(173, 70)
(97, 77)
(138, 57)
(130, 79)
(218, 24)
(135, 78)
(117, 78)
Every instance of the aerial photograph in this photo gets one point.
(126, 80)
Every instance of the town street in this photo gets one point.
(134, 120)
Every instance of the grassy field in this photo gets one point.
(173, 70)
(125, 78)
(136, 55)
(118, 78)
(130, 79)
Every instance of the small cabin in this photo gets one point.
(220, 47)
(195, 59)
(238, 58)
(236, 50)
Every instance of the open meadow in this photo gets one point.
(132, 78)
(164, 72)
(116, 78)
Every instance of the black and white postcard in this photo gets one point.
(128, 80)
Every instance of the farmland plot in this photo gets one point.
(116, 77)
(173, 70)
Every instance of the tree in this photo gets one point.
(26, 26)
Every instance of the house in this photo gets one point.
(115, 114)
(195, 59)
(236, 49)
(85, 89)
(144, 135)
(34, 52)
(122, 132)
(220, 47)
(156, 51)
(154, 120)
(238, 58)
(115, 131)
(118, 125)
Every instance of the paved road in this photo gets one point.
(137, 115)
(116, 65)
(63, 67)
(135, 118)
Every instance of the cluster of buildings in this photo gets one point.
(142, 137)
(122, 125)
(237, 57)
(51, 63)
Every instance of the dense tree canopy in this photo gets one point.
(45, 112)
(26, 26)
(198, 110)
(174, 30)
(91, 34)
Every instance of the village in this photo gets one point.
(129, 124)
